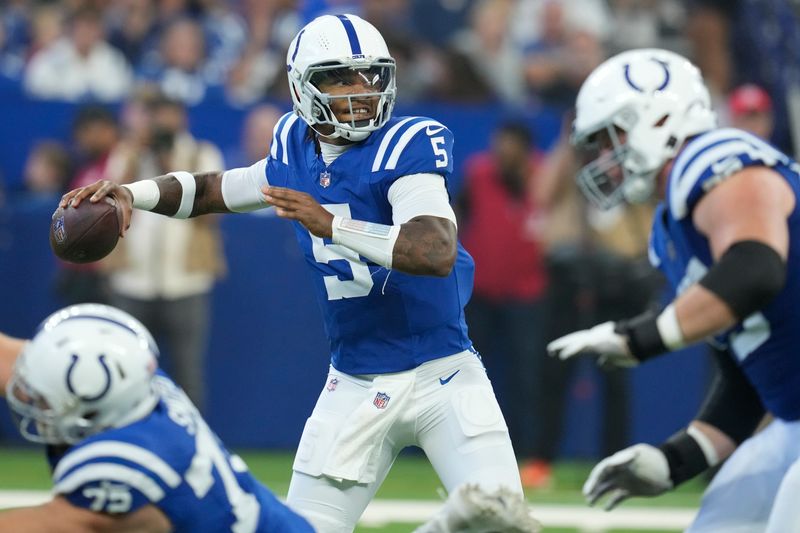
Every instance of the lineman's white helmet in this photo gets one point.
(656, 99)
(333, 44)
(90, 367)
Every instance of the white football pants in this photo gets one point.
(360, 423)
(758, 487)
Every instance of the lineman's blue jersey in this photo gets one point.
(172, 460)
(377, 320)
(765, 343)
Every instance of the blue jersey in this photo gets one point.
(377, 320)
(172, 460)
(764, 343)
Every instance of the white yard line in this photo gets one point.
(381, 512)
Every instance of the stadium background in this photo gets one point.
(268, 355)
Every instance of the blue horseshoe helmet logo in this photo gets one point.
(102, 361)
(660, 87)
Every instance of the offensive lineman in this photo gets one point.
(368, 195)
(727, 236)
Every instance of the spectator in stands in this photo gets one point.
(598, 270)
(258, 72)
(12, 60)
(47, 169)
(750, 109)
(46, 27)
(81, 65)
(742, 41)
(132, 29)
(164, 269)
(256, 135)
(95, 135)
(487, 46)
(564, 53)
(180, 70)
(500, 227)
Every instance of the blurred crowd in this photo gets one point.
(452, 50)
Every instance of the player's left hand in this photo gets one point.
(639, 470)
(601, 340)
(300, 206)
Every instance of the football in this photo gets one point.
(87, 233)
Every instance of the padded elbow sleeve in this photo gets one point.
(747, 277)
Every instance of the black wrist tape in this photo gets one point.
(644, 339)
(747, 277)
(684, 457)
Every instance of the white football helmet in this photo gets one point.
(89, 367)
(632, 115)
(329, 48)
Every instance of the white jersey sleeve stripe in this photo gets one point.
(110, 472)
(273, 149)
(285, 135)
(387, 139)
(121, 450)
(405, 139)
(700, 144)
(719, 153)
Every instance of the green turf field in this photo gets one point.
(410, 479)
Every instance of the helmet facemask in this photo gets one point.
(611, 171)
(38, 421)
(317, 107)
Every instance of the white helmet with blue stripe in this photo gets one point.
(89, 367)
(632, 115)
(338, 47)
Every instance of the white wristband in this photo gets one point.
(702, 440)
(670, 329)
(145, 194)
(371, 240)
(189, 187)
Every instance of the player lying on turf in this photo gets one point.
(367, 193)
(727, 236)
(128, 450)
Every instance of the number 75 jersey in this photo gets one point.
(377, 320)
(172, 460)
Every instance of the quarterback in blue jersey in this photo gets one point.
(128, 450)
(727, 236)
(367, 193)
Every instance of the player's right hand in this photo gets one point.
(99, 190)
(639, 470)
(602, 341)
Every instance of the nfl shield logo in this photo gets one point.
(325, 178)
(380, 401)
(58, 229)
(332, 384)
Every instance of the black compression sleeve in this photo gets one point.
(747, 277)
(731, 405)
(644, 339)
(684, 457)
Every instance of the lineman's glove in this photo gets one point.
(601, 340)
(639, 470)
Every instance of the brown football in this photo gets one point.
(87, 233)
